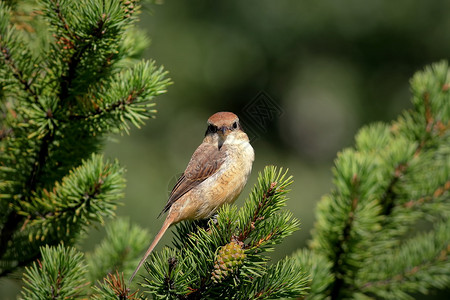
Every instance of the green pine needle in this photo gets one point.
(88, 194)
(60, 274)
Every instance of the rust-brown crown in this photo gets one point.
(223, 118)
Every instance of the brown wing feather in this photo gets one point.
(205, 161)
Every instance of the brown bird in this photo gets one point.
(215, 175)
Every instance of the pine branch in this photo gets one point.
(388, 198)
(15, 71)
(397, 176)
(89, 43)
(56, 8)
(226, 258)
(44, 198)
(338, 268)
(438, 193)
(127, 97)
(282, 280)
(88, 194)
(10, 40)
(169, 277)
(41, 94)
(258, 209)
(39, 162)
(319, 269)
(430, 127)
(113, 287)
(58, 276)
(417, 266)
(61, 274)
(348, 216)
(250, 226)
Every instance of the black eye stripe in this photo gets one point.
(212, 128)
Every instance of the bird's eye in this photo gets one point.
(235, 125)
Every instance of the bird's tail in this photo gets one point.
(161, 232)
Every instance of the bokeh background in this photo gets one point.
(330, 67)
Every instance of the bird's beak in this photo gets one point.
(222, 135)
(223, 129)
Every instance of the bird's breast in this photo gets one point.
(227, 183)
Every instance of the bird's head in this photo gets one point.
(222, 125)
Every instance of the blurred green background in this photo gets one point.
(330, 66)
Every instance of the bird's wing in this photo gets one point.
(205, 161)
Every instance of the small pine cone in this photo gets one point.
(229, 258)
(128, 7)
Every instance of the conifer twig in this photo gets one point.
(251, 225)
(338, 262)
(16, 72)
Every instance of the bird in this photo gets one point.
(215, 175)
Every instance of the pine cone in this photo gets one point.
(129, 7)
(229, 258)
